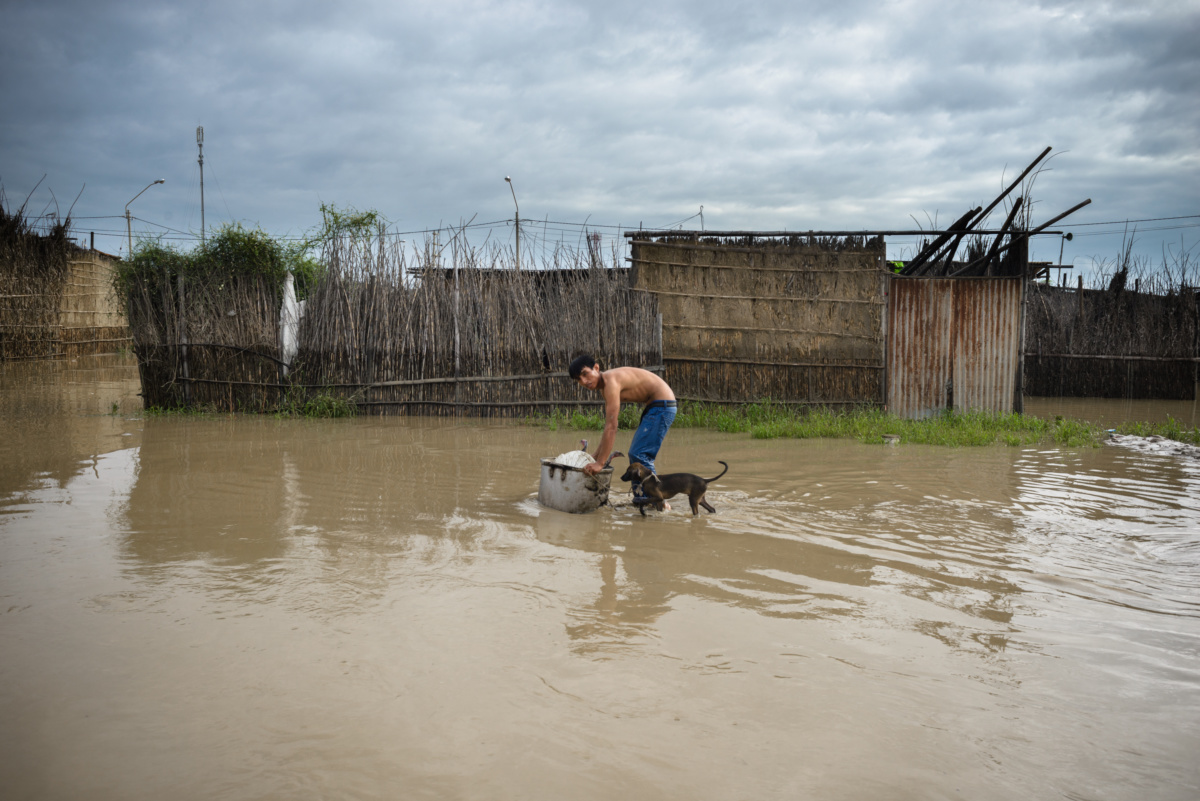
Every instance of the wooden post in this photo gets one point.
(661, 355)
(183, 349)
(457, 368)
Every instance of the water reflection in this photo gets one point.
(838, 540)
(207, 490)
(326, 514)
(58, 417)
(1114, 526)
(1111, 412)
(355, 606)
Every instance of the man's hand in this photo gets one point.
(593, 468)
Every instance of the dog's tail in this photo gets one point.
(718, 475)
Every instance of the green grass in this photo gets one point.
(179, 411)
(1171, 429)
(319, 404)
(950, 429)
(296, 404)
(768, 420)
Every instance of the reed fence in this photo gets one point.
(1112, 343)
(33, 276)
(394, 328)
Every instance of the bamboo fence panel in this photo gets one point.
(1112, 343)
(396, 329)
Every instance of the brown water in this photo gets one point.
(255, 608)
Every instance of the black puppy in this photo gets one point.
(659, 488)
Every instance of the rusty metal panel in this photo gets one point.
(953, 341)
(920, 313)
(986, 343)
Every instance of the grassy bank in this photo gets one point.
(296, 404)
(766, 420)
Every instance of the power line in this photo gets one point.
(1116, 231)
(1125, 222)
(562, 227)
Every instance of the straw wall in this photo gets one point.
(91, 319)
(33, 275)
(795, 320)
(1112, 343)
(58, 302)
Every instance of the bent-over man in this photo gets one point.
(631, 385)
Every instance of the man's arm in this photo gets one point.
(612, 411)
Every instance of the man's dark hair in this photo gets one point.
(582, 361)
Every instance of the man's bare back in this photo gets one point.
(620, 384)
(634, 385)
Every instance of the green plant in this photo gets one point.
(231, 252)
(1171, 429)
(769, 419)
(299, 403)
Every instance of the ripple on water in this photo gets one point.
(1121, 529)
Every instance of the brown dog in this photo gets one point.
(659, 488)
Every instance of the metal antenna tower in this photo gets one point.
(200, 144)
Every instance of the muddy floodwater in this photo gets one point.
(252, 608)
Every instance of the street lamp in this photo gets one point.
(1065, 238)
(516, 219)
(128, 224)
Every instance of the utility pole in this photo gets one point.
(516, 219)
(129, 220)
(200, 144)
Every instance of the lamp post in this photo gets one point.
(516, 219)
(128, 223)
(1067, 237)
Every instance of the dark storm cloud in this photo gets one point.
(771, 115)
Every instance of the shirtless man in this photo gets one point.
(632, 385)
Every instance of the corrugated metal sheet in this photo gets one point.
(918, 346)
(987, 340)
(953, 340)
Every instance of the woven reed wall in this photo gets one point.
(797, 320)
(60, 310)
(1112, 343)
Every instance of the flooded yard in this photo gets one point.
(253, 608)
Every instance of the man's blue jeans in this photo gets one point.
(651, 431)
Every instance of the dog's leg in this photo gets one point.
(707, 506)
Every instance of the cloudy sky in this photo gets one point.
(787, 115)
